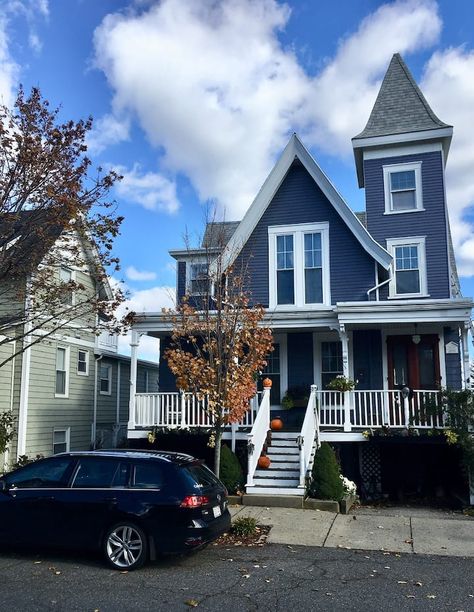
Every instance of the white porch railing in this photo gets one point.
(309, 431)
(375, 409)
(258, 435)
(179, 409)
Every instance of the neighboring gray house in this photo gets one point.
(70, 390)
(371, 297)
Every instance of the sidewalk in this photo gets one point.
(404, 530)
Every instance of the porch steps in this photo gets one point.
(283, 475)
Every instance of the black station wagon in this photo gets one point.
(132, 505)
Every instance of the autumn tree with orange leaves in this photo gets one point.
(219, 346)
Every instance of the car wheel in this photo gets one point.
(125, 546)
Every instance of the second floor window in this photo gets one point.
(299, 265)
(409, 266)
(62, 358)
(198, 279)
(105, 384)
(65, 276)
(83, 363)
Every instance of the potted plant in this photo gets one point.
(295, 397)
(341, 383)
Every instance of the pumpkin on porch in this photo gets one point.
(267, 383)
(264, 462)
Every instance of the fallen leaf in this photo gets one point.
(57, 573)
(418, 583)
(37, 562)
(431, 597)
(402, 582)
(411, 596)
(408, 541)
(192, 603)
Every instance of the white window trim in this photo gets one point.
(387, 171)
(86, 373)
(67, 356)
(420, 242)
(298, 232)
(73, 279)
(109, 367)
(67, 431)
(190, 263)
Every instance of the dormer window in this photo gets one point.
(402, 184)
(198, 279)
(299, 265)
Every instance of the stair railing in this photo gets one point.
(309, 432)
(256, 438)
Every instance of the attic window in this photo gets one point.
(402, 188)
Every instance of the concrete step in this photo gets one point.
(281, 465)
(282, 450)
(275, 472)
(283, 456)
(277, 482)
(273, 496)
(288, 435)
(283, 442)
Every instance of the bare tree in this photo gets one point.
(56, 222)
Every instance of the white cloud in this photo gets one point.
(108, 130)
(147, 300)
(9, 70)
(151, 190)
(343, 94)
(139, 275)
(448, 84)
(211, 83)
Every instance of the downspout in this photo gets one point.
(6, 454)
(381, 284)
(117, 408)
(25, 382)
(94, 417)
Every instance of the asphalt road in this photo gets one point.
(273, 577)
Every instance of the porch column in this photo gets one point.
(134, 343)
(465, 355)
(345, 370)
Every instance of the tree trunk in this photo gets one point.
(217, 452)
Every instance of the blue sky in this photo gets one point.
(194, 100)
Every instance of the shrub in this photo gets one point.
(244, 526)
(230, 470)
(325, 477)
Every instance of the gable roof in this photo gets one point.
(400, 114)
(218, 233)
(295, 149)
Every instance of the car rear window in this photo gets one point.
(201, 475)
(148, 476)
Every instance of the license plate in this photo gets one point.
(216, 511)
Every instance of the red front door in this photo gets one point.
(413, 365)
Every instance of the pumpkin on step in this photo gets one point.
(276, 424)
(264, 462)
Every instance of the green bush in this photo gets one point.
(325, 477)
(231, 471)
(244, 526)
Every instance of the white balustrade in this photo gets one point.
(258, 435)
(309, 431)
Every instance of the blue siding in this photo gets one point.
(167, 379)
(181, 288)
(300, 360)
(299, 200)
(453, 360)
(430, 223)
(367, 351)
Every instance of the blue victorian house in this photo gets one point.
(372, 297)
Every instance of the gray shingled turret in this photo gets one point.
(400, 116)
(400, 106)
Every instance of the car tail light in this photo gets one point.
(194, 501)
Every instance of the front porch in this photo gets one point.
(341, 412)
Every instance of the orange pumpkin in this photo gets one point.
(276, 424)
(264, 462)
(267, 383)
